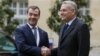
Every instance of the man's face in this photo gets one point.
(33, 16)
(66, 12)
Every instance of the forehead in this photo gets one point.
(33, 11)
(66, 6)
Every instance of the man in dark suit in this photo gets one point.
(29, 38)
(74, 37)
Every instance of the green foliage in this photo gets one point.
(54, 21)
(7, 24)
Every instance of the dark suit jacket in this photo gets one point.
(26, 42)
(75, 41)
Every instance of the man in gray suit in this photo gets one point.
(74, 39)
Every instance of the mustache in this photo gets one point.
(33, 19)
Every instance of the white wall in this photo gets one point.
(95, 13)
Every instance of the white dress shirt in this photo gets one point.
(37, 31)
(70, 22)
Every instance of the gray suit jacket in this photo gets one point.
(75, 41)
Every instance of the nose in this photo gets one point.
(32, 16)
(61, 13)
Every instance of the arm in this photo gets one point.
(22, 46)
(46, 40)
(54, 52)
(83, 41)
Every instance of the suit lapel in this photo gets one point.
(61, 31)
(30, 33)
(40, 36)
(71, 27)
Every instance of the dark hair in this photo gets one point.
(33, 8)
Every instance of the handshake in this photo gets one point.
(45, 51)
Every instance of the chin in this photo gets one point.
(32, 23)
(63, 19)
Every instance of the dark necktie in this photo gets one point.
(35, 33)
(65, 28)
(36, 36)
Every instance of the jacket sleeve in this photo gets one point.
(83, 41)
(54, 52)
(46, 40)
(23, 47)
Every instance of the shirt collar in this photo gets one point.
(31, 26)
(70, 22)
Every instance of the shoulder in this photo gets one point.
(81, 24)
(21, 27)
(43, 31)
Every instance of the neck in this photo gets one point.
(71, 18)
(33, 25)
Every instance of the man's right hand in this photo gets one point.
(45, 51)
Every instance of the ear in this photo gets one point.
(73, 11)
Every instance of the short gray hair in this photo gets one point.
(72, 3)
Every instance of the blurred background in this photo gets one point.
(14, 13)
